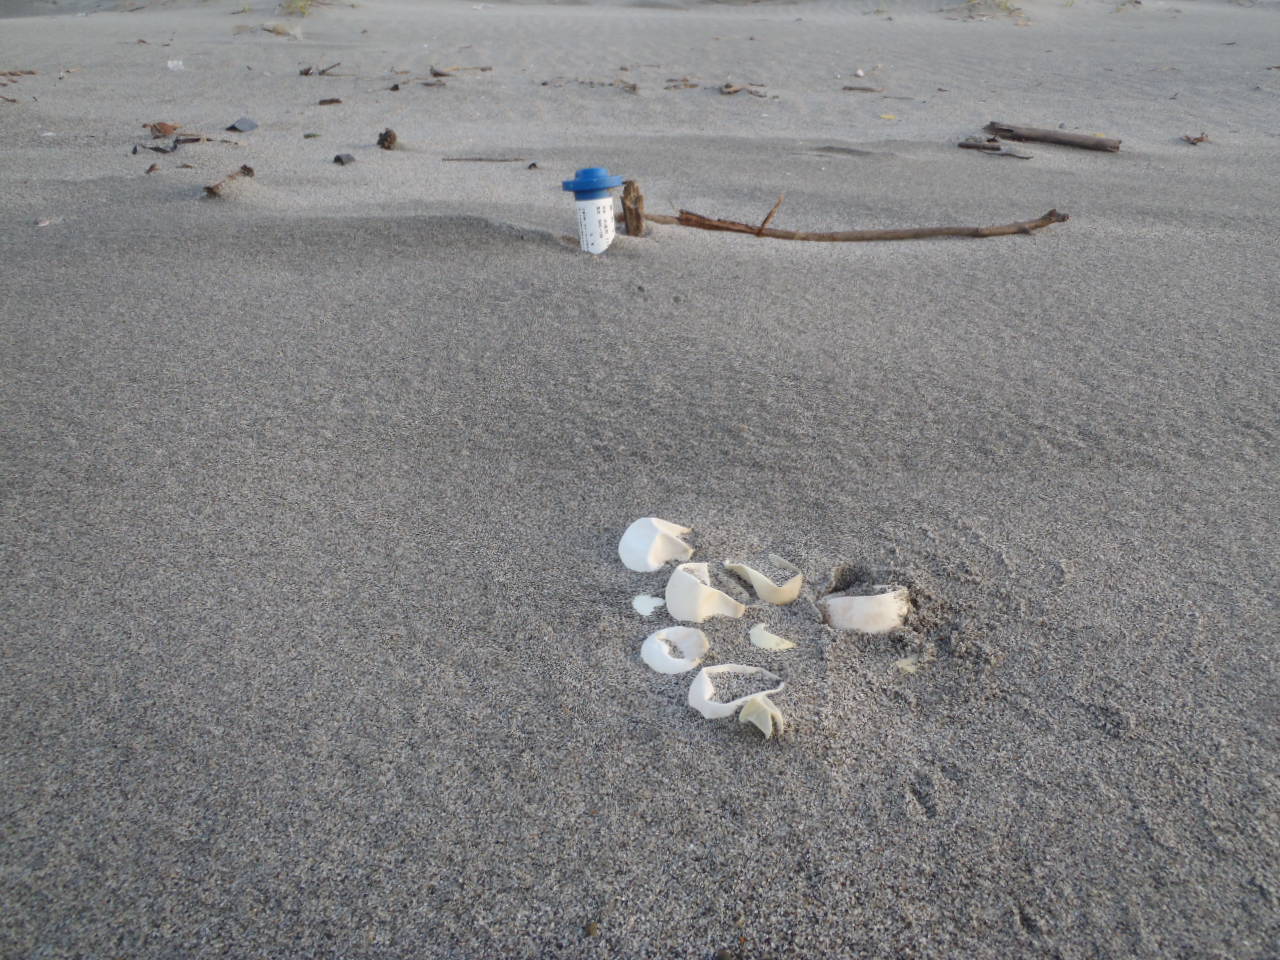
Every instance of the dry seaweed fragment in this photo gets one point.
(215, 190)
(387, 139)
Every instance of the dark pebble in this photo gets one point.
(344, 158)
(244, 125)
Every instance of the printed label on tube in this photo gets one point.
(596, 224)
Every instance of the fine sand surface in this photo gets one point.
(315, 638)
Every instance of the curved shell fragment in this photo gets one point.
(646, 604)
(691, 597)
(764, 713)
(766, 589)
(702, 691)
(656, 649)
(762, 638)
(649, 543)
(875, 613)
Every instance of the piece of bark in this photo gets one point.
(633, 208)
(688, 219)
(329, 101)
(1008, 131)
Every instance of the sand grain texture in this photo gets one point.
(316, 639)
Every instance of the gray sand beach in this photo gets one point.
(316, 642)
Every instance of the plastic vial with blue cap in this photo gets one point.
(596, 220)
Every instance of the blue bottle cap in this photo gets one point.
(592, 183)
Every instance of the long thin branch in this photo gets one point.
(688, 219)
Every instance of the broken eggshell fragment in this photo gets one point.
(691, 597)
(649, 543)
(878, 612)
(764, 713)
(656, 649)
(766, 589)
(762, 638)
(702, 691)
(645, 604)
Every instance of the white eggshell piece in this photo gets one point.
(764, 713)
(766, 589)
(702, 691)
(877, 613)
(646, 604)
(762, 638)
(691, 597)
(649, 543)
(656, 649)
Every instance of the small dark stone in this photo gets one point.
(394, 86)
(387, 139)
(343, 159)
(592, 929)
(532, 166)
(244, 125)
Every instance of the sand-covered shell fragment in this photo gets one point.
(764, 713)
(702, 691)
(650, 543)
(656, 649)
(766, 589)
(762, 638)
(878, 612)
(691, 597)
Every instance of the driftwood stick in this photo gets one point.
(687, 219)
(633, 208)
(764, 224)
(215, 190)
(1008, 131)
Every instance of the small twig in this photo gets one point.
(992, 148)
(483, 159)
(331, 66)
(769, 217)
(1007, 131)
(201, 138)
(215, 190)
(864, 89)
